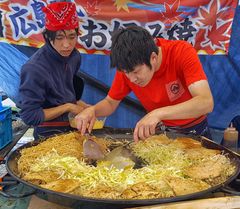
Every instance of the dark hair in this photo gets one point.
(49, 35)
(131, 46)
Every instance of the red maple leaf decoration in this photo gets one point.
(171, 14)
(199, 37)
(217, 34)
(212, 14)
(92, 8)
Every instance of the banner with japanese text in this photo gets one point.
(205, 24)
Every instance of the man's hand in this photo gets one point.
(54, 112)
(83, 104)
(146, 126)
(85, 120)
(75, 109)
(78, 107)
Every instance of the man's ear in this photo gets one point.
(153, 58)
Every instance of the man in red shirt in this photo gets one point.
(167, 78)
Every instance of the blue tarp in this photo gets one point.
(10, 62)
(224, 78)
(223, 73)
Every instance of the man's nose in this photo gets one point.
(66, 42)
(132, 77)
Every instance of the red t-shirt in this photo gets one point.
(180, 67)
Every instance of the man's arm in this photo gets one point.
(54, 112)
(106, 107)
(201, 104)
(85, 120)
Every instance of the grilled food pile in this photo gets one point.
(173, 167)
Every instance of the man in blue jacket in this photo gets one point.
(46, 89)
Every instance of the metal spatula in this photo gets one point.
(92, 150)
(122, 150)
(122, 157)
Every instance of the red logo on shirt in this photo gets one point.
(174, 90)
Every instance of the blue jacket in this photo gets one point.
(47, 81)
